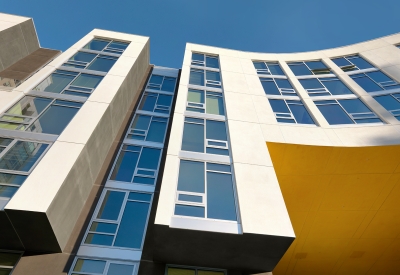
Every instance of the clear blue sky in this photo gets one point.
(250, 25)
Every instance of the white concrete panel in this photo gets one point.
(234, 82)
(304, 135)
(175, 139)
(240, 107)
(192, 223)
(133, 50)
(247, 66)
(393, 71)
(185, 74)
(13, 18)
(180, 105)
(272, 133)
(264, 111)
(107, 89)
(254, 85)
(8, 99)
(203, 48)
(230, 64)
(369, 135)
(5, 24)
(122, 66)
(187, 58)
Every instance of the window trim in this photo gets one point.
(107, 265)
(202, 64)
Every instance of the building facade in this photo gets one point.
(238, 163)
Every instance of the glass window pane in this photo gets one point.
(341, 62)
(300, 69)
(354, 106)
(259, 65)
(7, 191)
(99, 239)
(311, 83)
(366, 83)
(388, 102)
(120, 269)
(96, 45)
(278, 106)
(148, 102)
(12, 179)
(133, 222)
(196, 96)
(216, 130)
(168, 84)
(29, 106)
(92, 266)
(198, 56)
(218, 167)
(118, 45)
(379, 76)
(213, 76)
(196, 77)
(270, 87)
(180, 271)
(212, 62)
(164, 100)
(103, 227)
(102, 64)
(125, 166)
(87, 80)
(141, 122)
(334, 114)
(301, 114)
(156, 132)
(149, 158)
(336, 87)
(215, 105)
(139, 196)
(9, 259)
(111, 205)
(22, 156)
(217, 151)
(275, 69)
(220, 197)
(193, 137)
(55, 83)
(84, 57)
(191, 198)
(315, 65)
(360, 63)
(156, 79)
(283, 83)
(192, 211)
(191, 176)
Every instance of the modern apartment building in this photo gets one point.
(238, 163)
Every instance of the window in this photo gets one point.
(205, 102)
(120, 220)
(8, 260)
(375, 81)
(148, 128)
(324, 86)
(199, 59)
(269, 68)
(203, 135)
(277, 86)
(91, 61)
(205, 190)
(9, 184)
(41, 115)
(346, 111)
(205, 78)
(290, 111)
(155, 102)
(352, 63)
(70, 83)
(309, 68)
(108, 46)
(172, 270)
(391, 103)
(163, 83)
(101, 267)
(136, 164)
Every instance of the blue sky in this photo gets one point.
(250, 25)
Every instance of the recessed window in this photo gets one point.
(325, 86)
(290, 111)
(155, 102)
(375, 81)
(268, 68)
(105, 45)
(201, 101)
(346, 111)
(8, 260)
(163, 83)
(101, 267)
(352, 63)
(205, 190)
(210, 61)
(148, 128)
(206, 78)
(90, 61)
(277, 86)
(309, 68)
(390, 102)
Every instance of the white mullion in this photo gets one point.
(205, 191)
(89, 63)
(8, 147)
(121, 213)
(137, 163)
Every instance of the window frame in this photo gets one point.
(353, 67)
(211, 83)
(312, 71)
(131, 130)
(86, 65)
(283, 91)
(280, 115)
(158, 87)
(106, 48)
(383, 88)
(265, 72)
(203, 106)
(156, 107)
(199, 63)
(394, 112)
(106, 267)
(318, 91)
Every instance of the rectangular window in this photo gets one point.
(268, 68)
(390, 102)
(325, 86)
(352, 63)
(163, 83)
(155, 102)
(375, 81)
(91, 61)
(205, 136)
(205, 102)
(101, 267)
(8, 260)
(40, 115)
(136, 164)
(120, 220)
(309, 68)
(205, 78)
(205, 190)
(290, 111)
(346, 111)
(210, 61)
(178, 270)
(148, 128)
(70, 83)
(104, 45)
(277, 86)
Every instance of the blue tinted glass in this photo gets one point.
(118, 45)
(142, 180)
(91, 266)
(99, 239)
(196, 77)
(168, 84)
(278, 106)
(141, 122)
(315, 65)
(283, 83)
(191, 198)
(156, 79)
(220, 197)
(300, 69)
(139, 196)
(133, 222)
(120, 269)
(55, 83)
(96, 44)
(217, 151)
(215, 130)
(379, 76)
(334, 114)
(22, 156)
(125, 166)
(311, 83)
(7, 191)
(336, 87)
(368, 120)
(164, 100)
(360, 62)
(212, 62)
(366, 83)
(149, 158)
(213, 76)
(148, 102)
(84, 57)
(301, 114)
(270, 87)
(354, 106)
(193, 138)
(191, 176)
(156, 132)
(111, 205)
(259, 65)
(101, 64)
(218, 167)
(87, 80)
(198, 56)
(103, 227)
(275, 69)
(388, 102)
(29, 106)
(192, 211)
(13, 179)
(341, 62)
